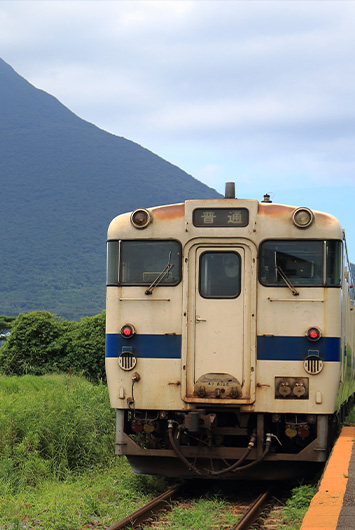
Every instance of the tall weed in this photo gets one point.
(52, 425)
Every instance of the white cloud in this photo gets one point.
(260, 89)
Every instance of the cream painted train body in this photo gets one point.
(229, 338)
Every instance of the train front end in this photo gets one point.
(226, 337)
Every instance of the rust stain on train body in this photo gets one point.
(275, 210)
(281, 211)
(172, 211)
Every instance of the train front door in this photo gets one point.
(219, 350)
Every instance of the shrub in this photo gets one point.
(30, 347)
(42, 343)
(85, 348)
(6, 322)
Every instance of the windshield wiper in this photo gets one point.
(287, 281)
(160, 276)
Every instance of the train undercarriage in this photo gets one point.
(215, 443)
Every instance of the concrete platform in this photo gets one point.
(333, 506)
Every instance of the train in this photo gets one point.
(229, 337)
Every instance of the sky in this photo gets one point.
(259, 92)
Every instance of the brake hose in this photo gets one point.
(237, 466)
(177, 449)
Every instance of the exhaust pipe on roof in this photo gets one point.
(230, 190)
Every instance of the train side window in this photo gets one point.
(334, 253)
(302, 262)
(112, 263)
(220, 275)
(140, 262)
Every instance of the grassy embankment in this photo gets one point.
(58, 471)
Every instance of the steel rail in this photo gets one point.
(143, 513)
(251, 514)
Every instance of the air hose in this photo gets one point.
(177, 449)
(239, 462)
(237, 466)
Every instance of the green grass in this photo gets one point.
(96, 498)
(100, 497)
(57, 463)
(51, 425)
(350, 420)
(296, 507)
(206, 513)
(58, 470)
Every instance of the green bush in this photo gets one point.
(31, 345)
(6, 322)
(84, 346)
(42, 343)
(52, 425)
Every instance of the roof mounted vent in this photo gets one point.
(266, 198)
(230, 190)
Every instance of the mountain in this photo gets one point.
(62, 181)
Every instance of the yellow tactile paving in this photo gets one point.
(324, 510)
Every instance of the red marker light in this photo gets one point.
(313, 334)
(127, 331)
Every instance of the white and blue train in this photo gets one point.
(229, 337)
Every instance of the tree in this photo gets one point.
(31, 347)
(5, 323)
(85, 347)
(41, 342)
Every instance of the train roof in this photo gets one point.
(265, 220)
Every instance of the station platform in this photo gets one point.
(333, 506)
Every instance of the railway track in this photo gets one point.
(252, 513)
(137, 519)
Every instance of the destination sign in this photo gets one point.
(220, 217)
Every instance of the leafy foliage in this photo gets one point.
(84, 344)
(5, 322)
(41, 342)
(29, 349)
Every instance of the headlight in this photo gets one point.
(141, 218)
(302, 217)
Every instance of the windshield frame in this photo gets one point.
(115, 250)
(329, 272)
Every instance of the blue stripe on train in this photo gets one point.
(297, 348)
(268, 348)
(145, 346)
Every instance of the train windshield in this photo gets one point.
(142, 262)
(301, 262)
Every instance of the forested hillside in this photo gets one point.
(62, 181)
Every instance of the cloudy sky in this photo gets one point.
(259, 92)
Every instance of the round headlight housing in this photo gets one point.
(303, 217)
(141, 218)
